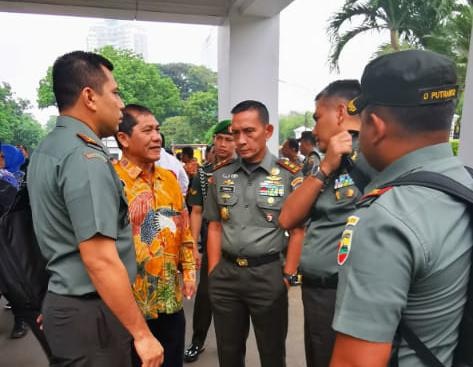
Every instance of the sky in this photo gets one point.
(27, 52)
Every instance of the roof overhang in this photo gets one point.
(212, 12)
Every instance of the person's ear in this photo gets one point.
(268, 131)
(89, 98)
(341, 111)
(378, 128)
(124, 139)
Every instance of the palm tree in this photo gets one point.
(407, 21)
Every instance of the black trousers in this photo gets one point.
(202, 314)
(83, 332)
(319, 337)
(169, 329)
(238, 294)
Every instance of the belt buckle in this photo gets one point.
(241, 262)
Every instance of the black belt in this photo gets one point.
(91, 295)
(329, 282)
(250, 261)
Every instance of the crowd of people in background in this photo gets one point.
(125, 238)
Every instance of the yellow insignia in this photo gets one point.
(275, 171)
(296, 182)
(353, 220)
(274, 178)
(337, 195)
(270, 200)
(225, 213)
(228, 182)
(193, 192)
(351, 106)
(354, 156)
(350, 193)
(226, 196)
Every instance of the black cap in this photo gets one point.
(307, 135)
(406, 78)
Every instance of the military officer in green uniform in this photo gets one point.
(406, 252)
(81, 223)
(307, 145)
(246, 274)
(327, 197)
(224, 149)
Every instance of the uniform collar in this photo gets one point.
(78, 127)
(410, 162)
(134, 171)
(267, 163)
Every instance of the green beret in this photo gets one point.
(223, 127)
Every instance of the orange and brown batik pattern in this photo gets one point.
(162, 236)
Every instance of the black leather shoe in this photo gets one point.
(192, 353)
(19, 330)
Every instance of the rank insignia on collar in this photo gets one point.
(344, 246)
(88, 140)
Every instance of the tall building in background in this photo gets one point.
(123, 35)
(119, 34)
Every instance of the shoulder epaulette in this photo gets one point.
(88, 140)
(291, 167)
(223, 164)
(376, 193)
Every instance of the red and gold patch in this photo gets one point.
(344, 246)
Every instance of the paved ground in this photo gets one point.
(26, 352)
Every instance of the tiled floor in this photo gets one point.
(26, 352)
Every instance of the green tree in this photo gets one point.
(291, 121)
(453, 38)
(406, 20)
(201, 109)
(51, 123)
(189, 78)
(177, 131)
(138, 81)
(16, 125)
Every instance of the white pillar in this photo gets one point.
(248, 66)
(466, 132)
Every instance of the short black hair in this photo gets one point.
(250, 105)
(75, 71)
(188, 151)
(345, 88)
(129, 120)
(163, 141)
(293, 144)
(308, 136)
(417, 119)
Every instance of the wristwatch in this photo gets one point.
(320, 175)
(293, 279)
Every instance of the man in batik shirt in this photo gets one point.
(161, 232)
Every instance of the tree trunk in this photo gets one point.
(394, 39)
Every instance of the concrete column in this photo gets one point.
(248, 66)
(466, 132)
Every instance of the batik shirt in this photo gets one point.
(162, 237)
